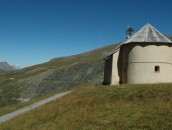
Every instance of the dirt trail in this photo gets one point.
(31, 107)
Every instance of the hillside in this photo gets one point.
(4, 66)
(58, 74)
(128, 107)
(170, 37)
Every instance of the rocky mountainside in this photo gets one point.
(58, 74)
(4, 66)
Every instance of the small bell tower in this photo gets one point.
(129, 32)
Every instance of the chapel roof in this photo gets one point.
(147, 34)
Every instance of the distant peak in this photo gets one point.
(4, 66)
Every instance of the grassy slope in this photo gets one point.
(134, 107)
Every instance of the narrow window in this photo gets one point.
(157, 68)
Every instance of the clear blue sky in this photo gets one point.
(35, 31)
